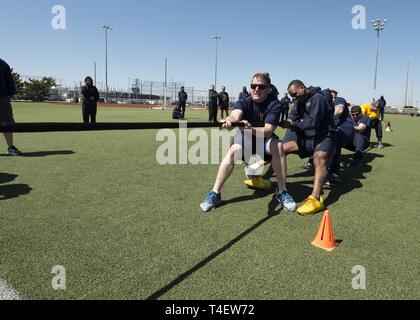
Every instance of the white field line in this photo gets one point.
(7, 292)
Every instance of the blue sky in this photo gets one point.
(310, 40)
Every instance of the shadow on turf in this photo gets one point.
(12, 190)
(39, 154)
(351, 180)
(257, 195)
(351, 177)
(374, 145)
(272, 211)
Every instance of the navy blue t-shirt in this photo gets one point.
(345, 116)
(268, 112)
(366, 121)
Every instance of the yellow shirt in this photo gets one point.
(366, 110)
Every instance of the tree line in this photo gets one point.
(35, 90)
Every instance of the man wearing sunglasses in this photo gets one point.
(362, 132)
(308, 135)
(259, 107)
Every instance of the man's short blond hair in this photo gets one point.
(263, 75)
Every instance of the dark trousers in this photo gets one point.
(212, 112)
(224, 110)
(382, 113)
(345, 136)
(377, 125)
(285, 114)
(360, 143)
(89, 113)
(182, 106)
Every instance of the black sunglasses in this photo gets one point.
(293, 95)
(260, 86)
(355, 114)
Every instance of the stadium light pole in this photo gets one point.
(378, 26)
(217, 38)
(106, 27)
(406, 85)
(166, 84)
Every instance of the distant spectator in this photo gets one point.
(286, 103)
(7, 90)
(212, 104)
(273, 90)
(223, 102)
(90, 96)
(182, 101)
(244, 94)
(382, 105)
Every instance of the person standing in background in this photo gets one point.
(224, 102)
(182, 101)
(212, 104)
(244, 93)
(90, 96)
(286, 102)
(382, 105)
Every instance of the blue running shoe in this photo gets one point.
(212, 200)
(286, 200)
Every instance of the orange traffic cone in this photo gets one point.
(325, 237)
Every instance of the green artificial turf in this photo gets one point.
(125, 227)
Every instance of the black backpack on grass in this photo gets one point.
(176, 114)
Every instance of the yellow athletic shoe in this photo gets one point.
(311, 206)
(259, 183)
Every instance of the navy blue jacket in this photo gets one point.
(7, 84)
(268, 112)
(182, 96)
(366, 121)
(312, 115)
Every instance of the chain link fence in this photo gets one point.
(143, 92)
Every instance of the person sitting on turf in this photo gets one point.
(308, 134)
(254, 179)
(372, 111)
(344, 135)
(259, 107)
(362, 132)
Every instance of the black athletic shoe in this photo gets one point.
(333, 180)
(13, 151)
